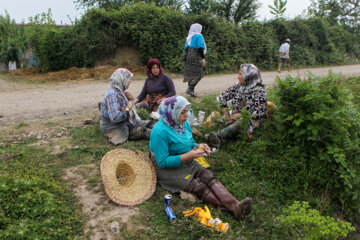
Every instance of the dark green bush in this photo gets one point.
(161, 32)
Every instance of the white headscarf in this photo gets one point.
(195, 28)
(121, 78)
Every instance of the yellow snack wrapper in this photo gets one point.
(202, 162)
(205, 218)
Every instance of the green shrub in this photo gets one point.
(160, 33)
(302, 222)
(318, 116)
(353, 84)
(312, 144)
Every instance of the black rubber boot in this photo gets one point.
(190, 90)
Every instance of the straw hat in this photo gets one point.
(129, 177)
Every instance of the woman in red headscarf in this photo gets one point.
(157, 87)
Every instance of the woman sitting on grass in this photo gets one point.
(119, 120)
(173, 150)
(248, 93)
(157, 87)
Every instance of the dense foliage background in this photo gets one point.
(160, 32)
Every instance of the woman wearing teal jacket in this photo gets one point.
(173, 150)
(194, 58)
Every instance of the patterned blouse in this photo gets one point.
(255, 101)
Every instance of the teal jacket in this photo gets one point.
(168, 145)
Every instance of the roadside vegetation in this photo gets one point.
(148, 28)
(301, 168)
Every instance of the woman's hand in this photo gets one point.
(194, 153)
(234, 116)
(160, 100)
(129, 105)
(136, 101)
(205, 148)
(128, 95)
(203, 63)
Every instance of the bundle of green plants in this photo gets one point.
(310, 148)
(302, 222)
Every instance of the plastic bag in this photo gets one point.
(205, 218)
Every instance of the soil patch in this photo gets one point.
(72, 74)
(105, 218)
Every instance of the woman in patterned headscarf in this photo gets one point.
(157, 87)
(194, 58)
(119, 120)
(248, 93)
(173, 150)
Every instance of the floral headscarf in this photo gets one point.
(251, 76)
(195, 28)
(170, 110)
(150, 64)
(121, 78)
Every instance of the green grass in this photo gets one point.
(35, 202)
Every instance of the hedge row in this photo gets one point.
(160, 33)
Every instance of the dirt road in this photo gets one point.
(21, 102)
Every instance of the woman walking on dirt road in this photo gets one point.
(194, 58)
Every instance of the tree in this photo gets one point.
(12, 39)
(232, 10)
(245, 9)
(338, 11)
(279, 8)
(116, 4)
(236, 10)
(195, 7)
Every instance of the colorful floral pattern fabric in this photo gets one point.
(170, 110)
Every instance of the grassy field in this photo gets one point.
(39, 203)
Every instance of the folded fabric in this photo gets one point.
(205, 218)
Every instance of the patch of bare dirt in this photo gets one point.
(105, 218)
(72, 74)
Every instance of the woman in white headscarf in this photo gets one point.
(194, 58)
(119, 120)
